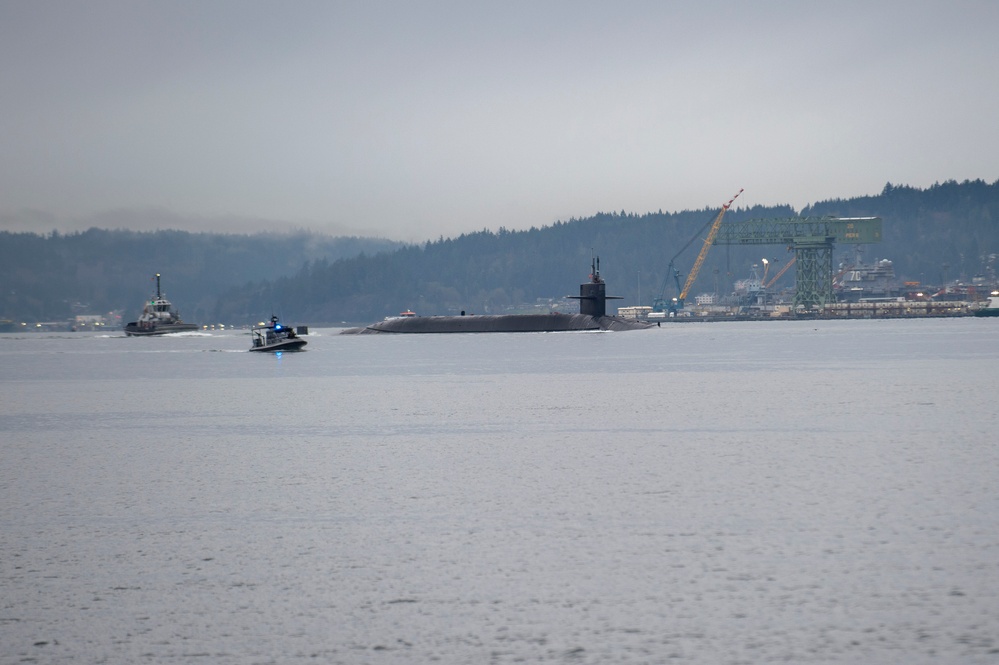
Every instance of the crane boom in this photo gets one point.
(780, 272)
(704, 249)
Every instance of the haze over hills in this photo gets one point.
(155, 218)
(946, 232)
(408, 120)
(55, 276)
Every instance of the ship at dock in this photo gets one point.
(991, 307)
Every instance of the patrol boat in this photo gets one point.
(275, 336)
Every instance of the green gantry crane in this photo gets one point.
(812, 239)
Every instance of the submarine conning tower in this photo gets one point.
(593, 294)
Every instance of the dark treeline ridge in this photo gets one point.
(54, 276)
(944, 232)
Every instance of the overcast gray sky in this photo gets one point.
(411, 120)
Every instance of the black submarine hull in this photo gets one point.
(500, 323)
(592, 316)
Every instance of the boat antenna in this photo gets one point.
(158, 296)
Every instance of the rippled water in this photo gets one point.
(821, 492)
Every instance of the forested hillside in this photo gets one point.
(52, 277)
(947, 231)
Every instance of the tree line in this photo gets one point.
(944, 232)
(53, 276)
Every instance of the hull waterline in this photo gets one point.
(287, 345)
(134, 330)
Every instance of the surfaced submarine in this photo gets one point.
(592, 316)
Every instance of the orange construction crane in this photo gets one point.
(704, 250)
(780, 272)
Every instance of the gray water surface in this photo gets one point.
(806, 492)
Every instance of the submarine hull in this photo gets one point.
(508, 323)
(592, 316)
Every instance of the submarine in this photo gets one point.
(592, 316)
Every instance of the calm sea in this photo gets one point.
(803, 492)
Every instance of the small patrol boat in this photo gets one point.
(275, 336)
(158, 318)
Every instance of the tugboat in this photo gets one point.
(158, 318)
(275, 337)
